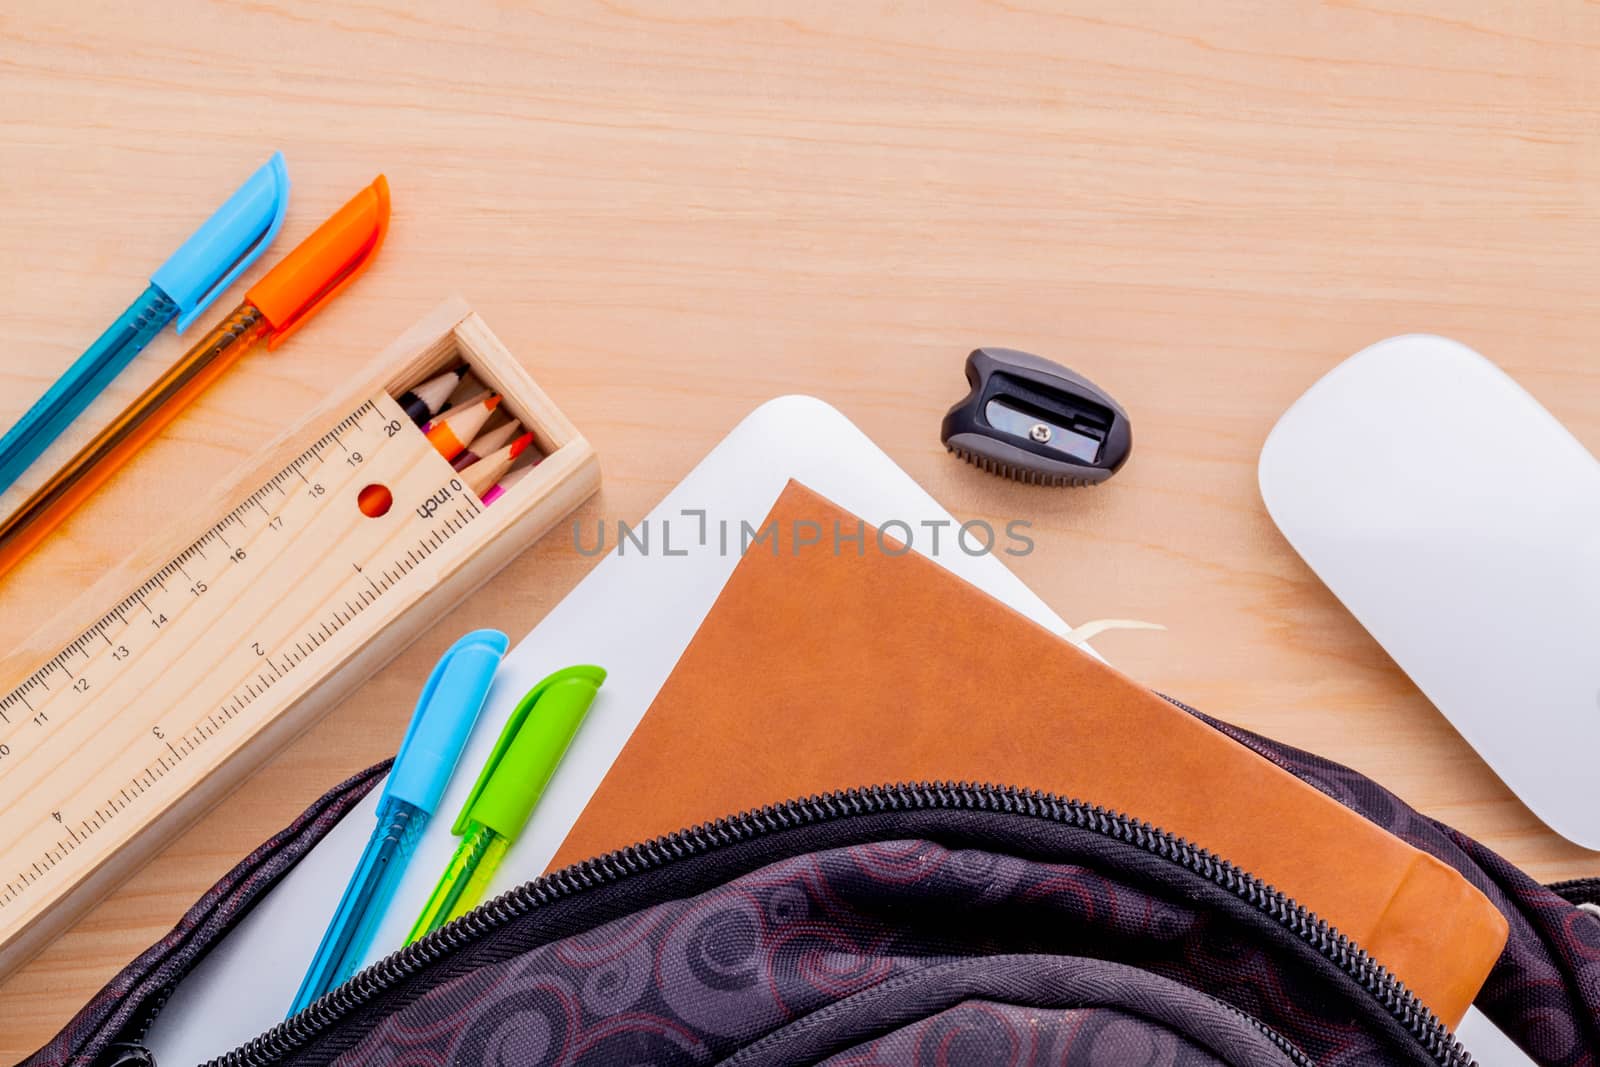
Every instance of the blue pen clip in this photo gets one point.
(230, 241)
(446, 710)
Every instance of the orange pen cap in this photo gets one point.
(323, 264)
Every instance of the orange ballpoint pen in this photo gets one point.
(302, 283)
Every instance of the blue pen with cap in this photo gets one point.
(448, 707)
(183, 287)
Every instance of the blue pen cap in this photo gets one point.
(448, 707)
(230, 241)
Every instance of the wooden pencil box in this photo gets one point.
(177, 675)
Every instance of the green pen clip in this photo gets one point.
(514, 777)
(528, 751)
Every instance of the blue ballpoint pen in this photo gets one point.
(438, 732)
(184, 286)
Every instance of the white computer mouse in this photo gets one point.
(1460, 523)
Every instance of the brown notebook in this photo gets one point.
(928, 678)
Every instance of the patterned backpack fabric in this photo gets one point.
(927, 923)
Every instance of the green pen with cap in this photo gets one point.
(508, 789)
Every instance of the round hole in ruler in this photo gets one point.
(375, 501)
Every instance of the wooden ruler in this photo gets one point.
(137, 719)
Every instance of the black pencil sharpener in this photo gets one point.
(1035, 421)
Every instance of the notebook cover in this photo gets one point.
(929, 678)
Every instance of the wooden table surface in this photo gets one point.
(672, 217)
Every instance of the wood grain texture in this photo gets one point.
(672, 212)
(261, 611)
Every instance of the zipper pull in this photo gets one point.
(125, 1054)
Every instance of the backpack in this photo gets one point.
(939, 923)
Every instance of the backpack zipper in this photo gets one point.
(128, 1049)
(1581, 892)
(1287, 1047)
(1402, 1005)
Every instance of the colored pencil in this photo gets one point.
(507, 480)
(465, 392)
(484, 473)
(450, 433)
(422, 402)
(485, 443)
(468, 397)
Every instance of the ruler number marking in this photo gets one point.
(319, 632)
